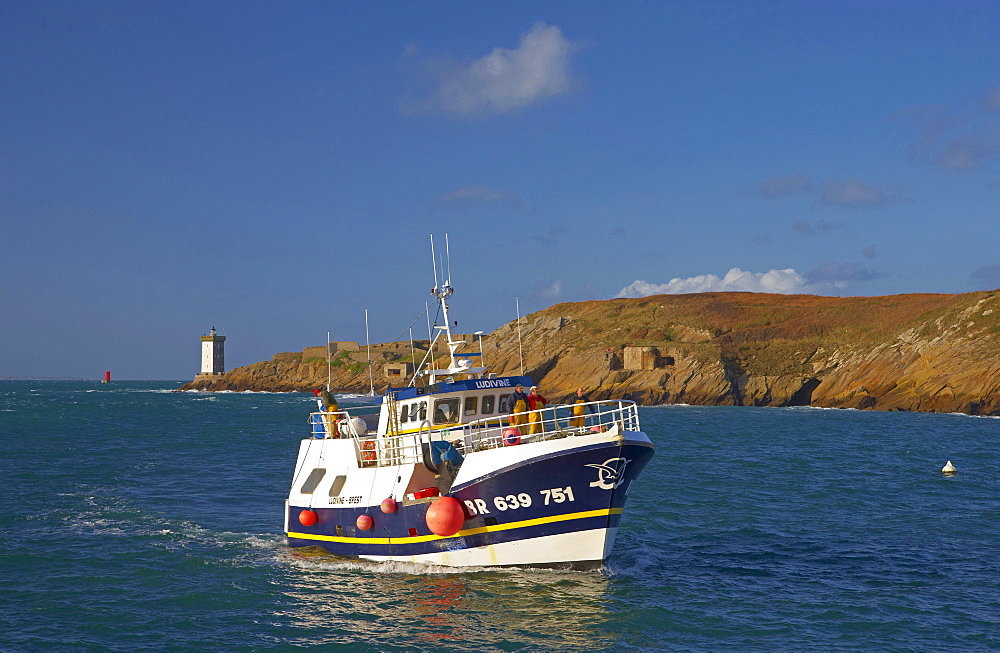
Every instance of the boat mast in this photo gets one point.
(413, 353)
(442, 291)
(368, 345)
(520, 350)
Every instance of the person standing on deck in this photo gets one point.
(536, 403)
(329, 405)
(517, 404)
(578, 409)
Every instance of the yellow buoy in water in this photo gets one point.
(948, 468)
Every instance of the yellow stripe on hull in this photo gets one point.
(472, 531)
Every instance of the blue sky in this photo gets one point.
(274, 169)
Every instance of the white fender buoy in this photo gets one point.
(948, 468)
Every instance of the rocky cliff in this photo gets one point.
(933, 353)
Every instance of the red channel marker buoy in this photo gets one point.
(307, 517)
(445, 516)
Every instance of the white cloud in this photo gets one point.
(960, 138)
(965, 153)
(854, 193)
(776, 281)
(988, 277)
(784, 186)
(850, 193)
(827, 279)
(807, 228)
(553, 290)
(991, 101)
(838, 274)
(470, 195)
(505, 80)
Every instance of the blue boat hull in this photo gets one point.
(526, 506)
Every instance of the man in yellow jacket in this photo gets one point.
(517, 405)
(579, 410)
(536, 403)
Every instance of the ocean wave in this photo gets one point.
(973, 416)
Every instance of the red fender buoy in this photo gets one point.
(445, 516)
(511, 436)
(307, 517)
(388, 505)
(364, 522)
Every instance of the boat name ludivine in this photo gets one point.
(492, 383)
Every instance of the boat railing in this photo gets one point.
(549, 423)
(370, 450)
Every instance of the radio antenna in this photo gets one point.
(447, 251)
(434, 264)
(368, 345)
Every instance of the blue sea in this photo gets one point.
(134, 518)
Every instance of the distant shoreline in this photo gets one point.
(43, 378)
(77, 378)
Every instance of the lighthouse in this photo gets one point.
(213, 358)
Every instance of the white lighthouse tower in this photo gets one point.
(213, 357)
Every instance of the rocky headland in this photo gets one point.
(921, 352)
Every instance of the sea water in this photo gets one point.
(134, 518)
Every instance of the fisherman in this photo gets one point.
(329, 405)
(577, 401)
(536, 403)
(517, 404)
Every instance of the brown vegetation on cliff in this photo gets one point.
(902, 352)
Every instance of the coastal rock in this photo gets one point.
(931, 353)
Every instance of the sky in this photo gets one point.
(275, 169)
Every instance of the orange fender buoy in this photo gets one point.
(307, 517)
(364, 522)
(445, 516)
(388, 505)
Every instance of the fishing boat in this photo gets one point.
(441, 472)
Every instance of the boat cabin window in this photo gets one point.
(315, 476)
(446, 410)
(503, 403)
(418, 411)
(470, 405)
(404, 413)
(488, 404)
(338, 485)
